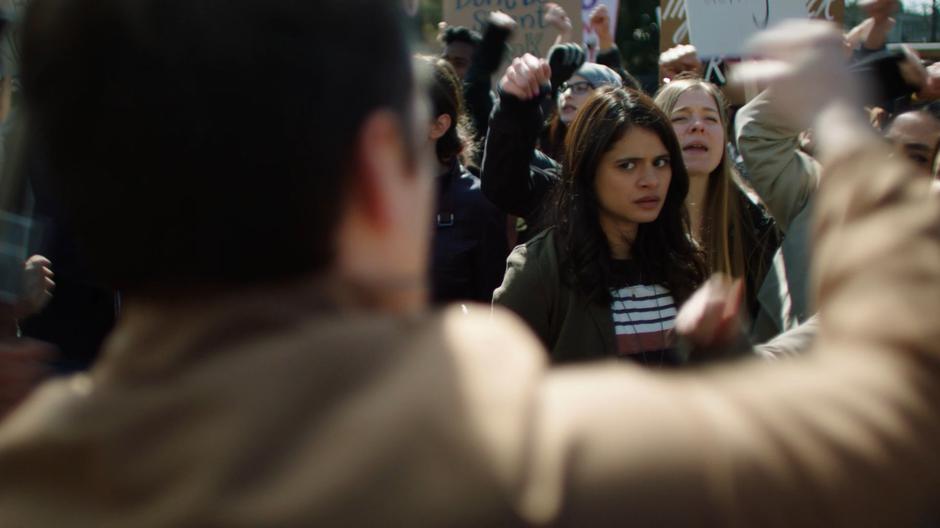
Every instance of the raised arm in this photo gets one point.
(782, 175)
(515, 176)
(486, 60)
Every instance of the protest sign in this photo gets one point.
(675, 26)
(533, 35)
(722, 27)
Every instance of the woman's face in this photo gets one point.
(632, 180)
(572, 97)
(698, 125)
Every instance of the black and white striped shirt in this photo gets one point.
(644, 317)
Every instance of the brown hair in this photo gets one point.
(446, 92)
(723, 211)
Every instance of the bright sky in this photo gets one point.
(916, 4)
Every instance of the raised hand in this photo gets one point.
(501, 19)
(712, 316)
(600, 24)
(679, 59)
(558, 18)
(525, 77)
(37, 286)
(803, 63)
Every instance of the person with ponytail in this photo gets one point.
(469, 246)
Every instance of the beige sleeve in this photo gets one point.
(783, 176)
(844, 436)
(792, 343)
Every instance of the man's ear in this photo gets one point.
(440, 126)
(380, 165)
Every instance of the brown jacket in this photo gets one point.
(280, 408)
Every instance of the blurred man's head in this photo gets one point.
(916, 136)
(205, 145)
(460, 44)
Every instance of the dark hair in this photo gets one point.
(629, 81)
(198, 142)
(446, 93)
(663, 249)
(552, 138)
(461, 34)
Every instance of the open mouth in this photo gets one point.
(695, 146)
(568, 108)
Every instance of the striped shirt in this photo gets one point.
(644, 319)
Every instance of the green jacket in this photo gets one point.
(572, 327)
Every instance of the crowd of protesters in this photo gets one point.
(305, 275)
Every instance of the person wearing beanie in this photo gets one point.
(575, 92)
(518, 182)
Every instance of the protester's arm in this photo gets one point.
(608, 53)
(486, 60)
(600, 23)
(38, 285)
(511, 176)
(563, 59)
(792, 343)
(678, 60)
(611, 58)
(872, 33)
(710, 327)
(782, 175)
(556, 17)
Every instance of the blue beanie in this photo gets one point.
(599, 75)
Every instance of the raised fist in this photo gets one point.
(525, 77)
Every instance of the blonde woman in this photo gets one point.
(739, 239)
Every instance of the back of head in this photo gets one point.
(200, 142)
(445, 91)
(461, 34)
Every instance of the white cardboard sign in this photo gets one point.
(722, 27)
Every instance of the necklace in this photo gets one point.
(633, 323)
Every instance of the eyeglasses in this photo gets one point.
(579, 88)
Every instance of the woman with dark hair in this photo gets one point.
(607, 278)
(469, 247)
